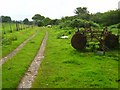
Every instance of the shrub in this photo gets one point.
(6, 41)
(77, 23)
(13, 38)
(118, 26)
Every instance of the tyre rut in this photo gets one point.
(27, 80)
(14, 52)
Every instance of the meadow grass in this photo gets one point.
(14, 69)
(13, 40)
(65, 67)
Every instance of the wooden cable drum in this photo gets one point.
(111, 41)
(78, 41)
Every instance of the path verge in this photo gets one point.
(4, 59)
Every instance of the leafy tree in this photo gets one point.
(108, 18)
(65, 24)
(26, 21)
(96, 17)
(81, 10)
(40, 23)
(77, 23)
(38, 19)
(6, 18)
(118, 26)
(54, 22)
(46, 21)
(111, 17)
(82, 13)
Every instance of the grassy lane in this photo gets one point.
(64, 67)
(13, 70)
(13, 40)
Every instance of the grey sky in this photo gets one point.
(21, 9)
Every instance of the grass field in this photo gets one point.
(10, 41)
(14, 69)
(64, 67)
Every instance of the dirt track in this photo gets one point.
(27, 80)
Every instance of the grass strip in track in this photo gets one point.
(64, 67)
(14, 69)
(20, 35)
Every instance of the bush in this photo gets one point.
(10, 31)
(93, 24)
(77, 23)
(6, 41)
(118, 26)
(65, 25)
(13, 38)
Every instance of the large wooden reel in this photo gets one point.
(78, 41)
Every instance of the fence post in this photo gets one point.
(16, 26)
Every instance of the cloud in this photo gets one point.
(20, 9)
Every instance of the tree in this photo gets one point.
(107, 18)
(77, 23)
(118, 26)
(38, 19)
(26, 21)
(81, 10)
(96, 17)
(40, 23)
(82, 13)
(54, 22)
(46, 21)
(6, 18)
(111, 17)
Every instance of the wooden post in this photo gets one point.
(16, 26)
(10, 27)
(3, 27)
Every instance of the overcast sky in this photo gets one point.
(21, 9)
